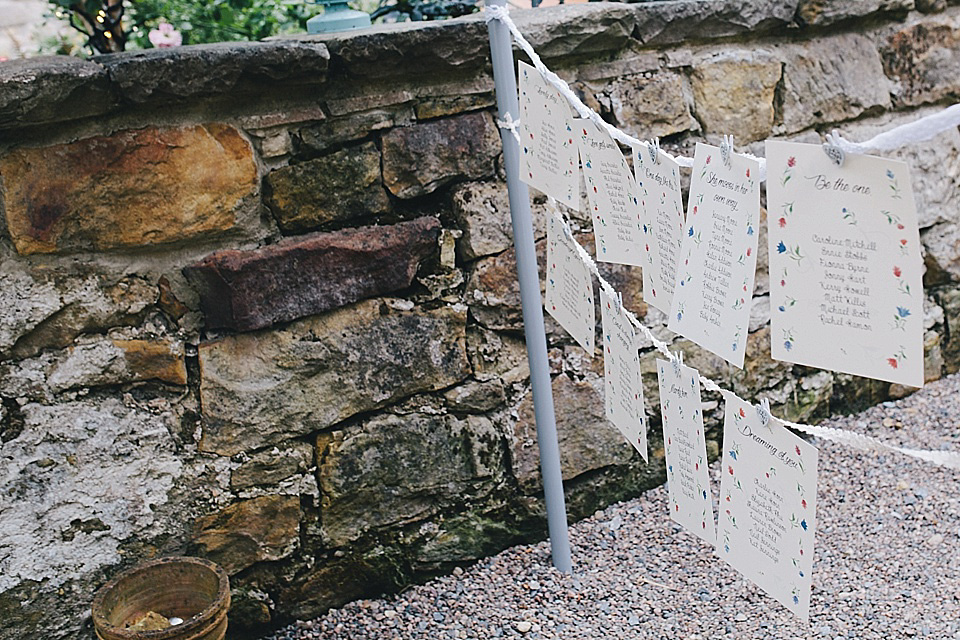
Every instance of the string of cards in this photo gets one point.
(846, 295)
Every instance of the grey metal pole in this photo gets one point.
(505, 83)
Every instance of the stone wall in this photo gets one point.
(258, 301)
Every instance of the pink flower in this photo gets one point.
(892, 362)
(742, 413)
(782, 222)
(903, 242)
(798, 450)
(896, 271)
(749, 251)
(165, 36)
(791, 162)
(748, 173)
(730, 470)
(804, 503)
(708, 159)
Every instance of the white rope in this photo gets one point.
(510, 125)
(918, 131)
(496, 12)
(949, 459)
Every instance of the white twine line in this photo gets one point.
(949, 459)
(917, 131)
(510, 125)
(496, 12)
(913, 132)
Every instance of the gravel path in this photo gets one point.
(886, 563)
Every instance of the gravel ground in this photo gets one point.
(885, 563)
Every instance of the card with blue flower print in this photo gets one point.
(623, 388)
(685, 449)
(768, 504)
(612, 196)
(718, 258)
(569, 287)
(548, 149)
(846, 290)
(661, 205)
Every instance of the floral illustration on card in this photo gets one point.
(788, 340)
(892, 218)
(900, 318)
(793, 253)
(902, 285)
(897, 358)
(787, 303)
(849, 216)
(894, 184)
(787, 174)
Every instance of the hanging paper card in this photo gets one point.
(711, 302)
(845, 267)
(658, 184)
(623, 390)
(768, 505)
(548, 151)
(612, 194)
(569, 287)
(691, 503)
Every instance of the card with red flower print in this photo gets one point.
(623, 389)
(846, 290)
(569, 287)
(718, 258)
(685, 449)
(661, 205)
(768, 504)
(612, 195)
(548, 149)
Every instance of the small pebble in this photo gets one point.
(636, 572)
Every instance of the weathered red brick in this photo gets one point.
(247, 290)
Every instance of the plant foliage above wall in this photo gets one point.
(110, 25)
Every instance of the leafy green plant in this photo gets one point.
(202, 21)
(110, 25)
(425, 10)
(100, 20)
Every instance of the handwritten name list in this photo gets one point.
(768, 502)
(845, 264)
(623, 389)
(714, 283)
(612, 194)
(658, 184)
(548, 151)
(569, 296)
(691, 503)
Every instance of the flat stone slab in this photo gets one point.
(247, 290)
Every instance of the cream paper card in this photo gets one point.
(548, 151)
(711, 301)
(691, 503)
(768, 505)
(569, 286)
(612, 194)
(845, 269)
(623, 390)
(658, 184)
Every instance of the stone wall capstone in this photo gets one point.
(258, 300)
